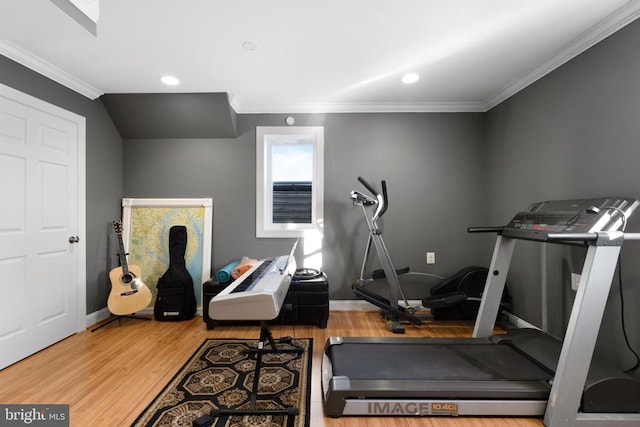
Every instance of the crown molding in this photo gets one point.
(360, 107)
(40, 66)
(603, 29)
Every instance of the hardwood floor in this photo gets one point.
(109, 376)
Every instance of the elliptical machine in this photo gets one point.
(391, 310)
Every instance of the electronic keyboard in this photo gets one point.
(259, 293)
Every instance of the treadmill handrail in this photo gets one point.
(598, 237)
(572, 237)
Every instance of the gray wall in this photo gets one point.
(573, 134)
(432, 164)
(104, 171)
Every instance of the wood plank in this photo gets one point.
(109, 376)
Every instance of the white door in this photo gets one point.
(41, 214)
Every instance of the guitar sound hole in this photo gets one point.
(127, 278)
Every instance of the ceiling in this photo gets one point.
(328, 56)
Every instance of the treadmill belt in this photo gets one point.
(435, 362)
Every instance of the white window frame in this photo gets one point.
(265, 137)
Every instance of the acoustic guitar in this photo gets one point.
(128, 292)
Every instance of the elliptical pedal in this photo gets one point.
(395, 327)
(388, 311)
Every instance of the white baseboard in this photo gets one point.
(350, 305)
(360, 305)
(97, 316)
(334, 305)
(104, 313)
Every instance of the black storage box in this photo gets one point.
(307, 300)
(210, 289)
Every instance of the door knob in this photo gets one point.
(74, 239)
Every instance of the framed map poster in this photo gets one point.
(146, 225)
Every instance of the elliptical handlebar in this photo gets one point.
(383, 199)
(369, 187)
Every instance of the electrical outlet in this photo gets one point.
(575, 281)
(431, 257)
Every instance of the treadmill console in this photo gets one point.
(570, 217)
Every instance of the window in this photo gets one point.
(289, 181)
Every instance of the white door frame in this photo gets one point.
(81, 246)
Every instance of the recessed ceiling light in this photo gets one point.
(249, 45)
(410, 78)
(170, 80)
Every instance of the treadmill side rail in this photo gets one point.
(425, 407)
(607, 420)
(332, 391)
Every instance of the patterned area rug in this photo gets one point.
(220, 376)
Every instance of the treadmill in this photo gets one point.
(525, 372)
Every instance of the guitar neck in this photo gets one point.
(122, 254)
(117, 227)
